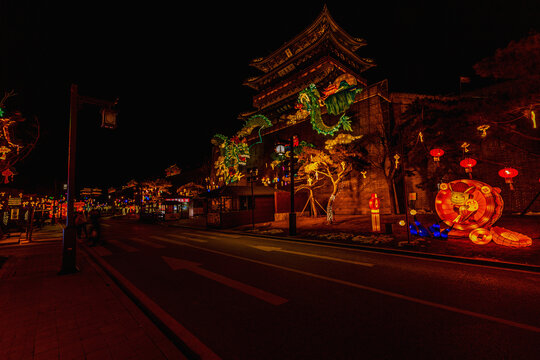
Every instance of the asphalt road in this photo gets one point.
(246, 297)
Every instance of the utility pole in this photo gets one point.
(253, 172)
(292, 214)
(69, 240)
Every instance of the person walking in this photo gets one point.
(80, 223)
(95, 228)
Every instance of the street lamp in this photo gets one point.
(280, 149)
(69, 240)
(252, 177)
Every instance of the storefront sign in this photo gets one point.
(14, 201)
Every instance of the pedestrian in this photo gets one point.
(80, 223)
(95, 229)
(37, 219)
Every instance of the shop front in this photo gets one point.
(176, 208)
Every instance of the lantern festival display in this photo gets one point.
(436, 153)
(374, 206)
(467, 205)
(470, 208)
(507, 237)
(468, 164)
(508, 174)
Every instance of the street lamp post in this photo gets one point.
(253, 172)
(280, 149)
(292, 214)
(69, 240)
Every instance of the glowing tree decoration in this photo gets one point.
(508, 174)
(468, 164)
(172, 170)
(333, 164)
(436, 153)
(16, 140)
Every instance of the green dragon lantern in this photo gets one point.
(234, 152)
(337, 98)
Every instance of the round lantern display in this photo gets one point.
(480, 236)
(436, 153)
(508, 174)
(468, 205)
(468, 164)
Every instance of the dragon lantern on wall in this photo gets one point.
(234, 152)
(337, 98)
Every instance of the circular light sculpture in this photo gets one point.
(480, 236)
(508, 174)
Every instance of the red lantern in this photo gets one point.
(468, 164)
(374, 202)
(508, 174)
(436, 153)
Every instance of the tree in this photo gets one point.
(155, 188)
(519, 60)
(190, 189)
(334, 163)
(18, 137)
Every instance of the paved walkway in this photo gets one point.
(49, 232)
(78, 316)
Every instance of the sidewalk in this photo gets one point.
(78, 316)
(356, 230)
(49, 232)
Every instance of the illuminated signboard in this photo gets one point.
(182, 200)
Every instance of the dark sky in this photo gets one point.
(178, 69)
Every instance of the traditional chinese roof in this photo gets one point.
(324, 37)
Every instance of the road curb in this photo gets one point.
(458, 259)
(186, 342)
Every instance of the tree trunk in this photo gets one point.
(314, 212)
(329, 207)
(393, 195)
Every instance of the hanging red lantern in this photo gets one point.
(468, 164)
(508, 174)
(436, 153)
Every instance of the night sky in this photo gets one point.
(178, 69)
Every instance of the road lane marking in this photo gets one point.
(191, 341)
(179, 264)
(161, 238)
(101, 251)
(378, 291)
(377, 253)
(187, 237)
(106, 225)
(123, 246)
(273, 248)
(146, 242)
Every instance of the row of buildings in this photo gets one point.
(325, 55)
